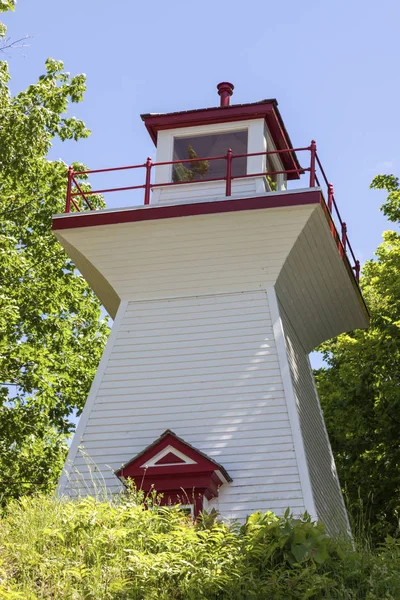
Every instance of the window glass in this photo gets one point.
(203, 146)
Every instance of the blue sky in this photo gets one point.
(333, 67)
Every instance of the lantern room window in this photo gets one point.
(204, 146)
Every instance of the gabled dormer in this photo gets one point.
(178, 471)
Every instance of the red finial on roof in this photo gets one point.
(225, 90)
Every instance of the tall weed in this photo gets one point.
(131, 548)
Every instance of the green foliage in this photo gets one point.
(196, 167)
(360, 391)
(5, 6)
(390, 183)
(272, 184)
(121, 550)
(51, 332)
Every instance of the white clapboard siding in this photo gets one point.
(105, 411)
(239, 468)
(198, 255)
(273, 399)
(226, 397)
(181, 422)
(124, 361)
(285, 444)
(201, 191)
(284, 441)
(270, 436)
(218, 386)
(315, 288)
(326, 490)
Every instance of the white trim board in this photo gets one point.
(305, 479)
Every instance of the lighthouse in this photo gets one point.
(236, 265)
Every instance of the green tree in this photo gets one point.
(51, 331)
(360, 391)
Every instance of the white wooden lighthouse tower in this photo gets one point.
(220, 286)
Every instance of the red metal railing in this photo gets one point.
(74, 189)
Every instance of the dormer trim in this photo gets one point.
(265, 109)
(169, 438)
(177, 470)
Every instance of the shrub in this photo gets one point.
(124, 550)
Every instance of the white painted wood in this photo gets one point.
(315, 288)
(199, 347)
(201, 191)
(225, 253)
(326, 490)
(183, 423)
(257, 164)
(213, 442)
(208, 254)
(236, 403)
(144, 365)
(168, 450)
(234, 412)
(90, 402)
(236, 409)
(291, 406)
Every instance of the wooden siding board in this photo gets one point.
(247, 341)
(168, 422)
(325, 484)
(103, 439)
(315, 287)
(323, 293)
(212, 403)
(202, 254)
(148, 409)
(124, 365)
(284, 442)
(225, 223)
(274, 398)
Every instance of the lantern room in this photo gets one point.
(227, 151)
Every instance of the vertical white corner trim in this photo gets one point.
(92, 396)
(291, 404)
(321, 412)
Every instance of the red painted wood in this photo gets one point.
(151, 213)
(202, 463)
(147, 481)
(177, 480)
(206, 116)
(194, 497)
(267, 110)
(170, 458)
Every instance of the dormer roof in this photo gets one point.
(169, 450)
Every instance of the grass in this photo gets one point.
(128, 549)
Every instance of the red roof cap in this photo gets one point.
(225, 90)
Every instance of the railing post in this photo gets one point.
(228, 191)
(344, 235)
(330, 197)
(69, 188)
(147, 185)
(357, 270)
(313, 150)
